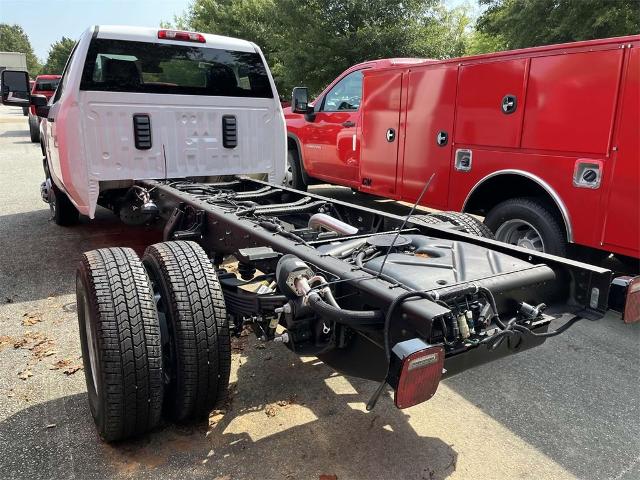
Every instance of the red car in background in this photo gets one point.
(44, 85)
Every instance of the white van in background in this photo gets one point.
(143, 103)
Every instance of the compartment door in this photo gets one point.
(490, 103)
(622, 172)
(427, 148)
(380, 131)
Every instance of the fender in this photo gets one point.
(552, 193)
(305, 176)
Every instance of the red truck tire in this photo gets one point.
(294, 171)
(528, 223)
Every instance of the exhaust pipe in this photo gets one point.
(322, 220)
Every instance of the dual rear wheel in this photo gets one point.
(154, 336)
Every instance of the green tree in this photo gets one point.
(58, 54)
(313, 41)
(14, 39)
(526, 23)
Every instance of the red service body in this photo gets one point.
(549, 131)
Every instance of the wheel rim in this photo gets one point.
(166, 331)
(289, 174)
(91, 348)
(52, 201)
(521, 233)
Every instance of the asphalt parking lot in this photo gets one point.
(568, 409)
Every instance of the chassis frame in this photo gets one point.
(201, 212)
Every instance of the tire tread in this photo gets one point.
(128, 338)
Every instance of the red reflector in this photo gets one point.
(181, 36)
(631, 312)
(420, 372)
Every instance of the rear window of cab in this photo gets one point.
(147, 67)
(48, 85)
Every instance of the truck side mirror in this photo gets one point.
(41, 104)
(300, 100)
(15, 88)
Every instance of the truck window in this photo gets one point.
(146, 67)
(345, 95)
(47, 85)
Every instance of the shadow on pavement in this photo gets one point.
(574, 398)
(43, 265)
(311, 430)
(15, 133)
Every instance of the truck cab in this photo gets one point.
(542, 142)
(145, 103)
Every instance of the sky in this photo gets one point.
(49, 20)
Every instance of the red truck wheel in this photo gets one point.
(294, 172)
(527, 223)
(466, 223)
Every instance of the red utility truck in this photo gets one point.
(543, 141)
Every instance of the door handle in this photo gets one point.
(391, 135)
(349, 123)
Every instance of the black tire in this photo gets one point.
(63, 212)
(197, 355)
(34, 129)
(294, 178)
(115, 306)
(467, 223)
(535, 213)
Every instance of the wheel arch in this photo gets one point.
(504, 184)
(293, 143)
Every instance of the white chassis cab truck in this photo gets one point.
(140, 122)
(141, 103)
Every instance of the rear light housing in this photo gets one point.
(181, 36)
(624, 297)
(416, 369)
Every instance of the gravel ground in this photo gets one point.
(568, 409)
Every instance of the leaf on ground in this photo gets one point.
(26, 373)
(5, 341)
(70, 370)
(29, 340)
(31, 318)
(328, 477)
(65, 362)
(43, 348)
(215, 417)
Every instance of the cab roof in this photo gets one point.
(150, 34)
